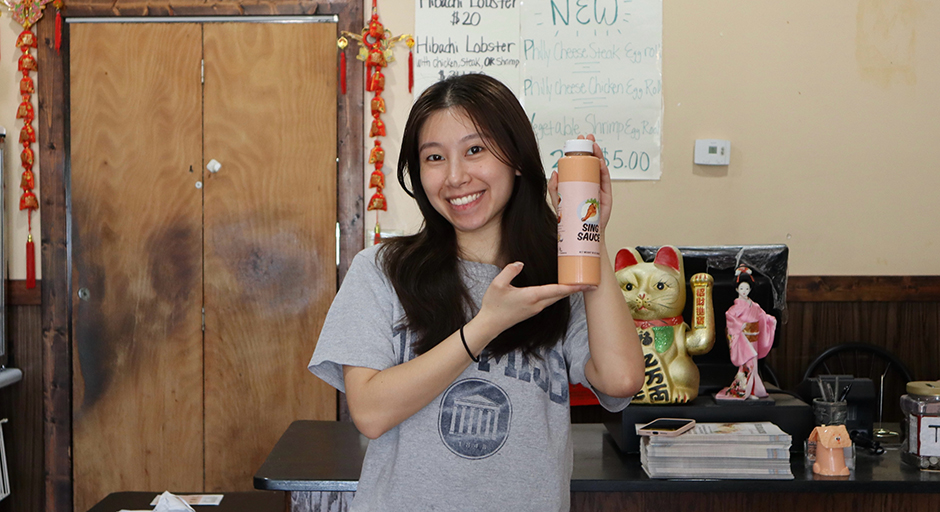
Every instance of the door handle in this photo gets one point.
(213, 166)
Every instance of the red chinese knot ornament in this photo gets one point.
(27, 13)
(375, 50)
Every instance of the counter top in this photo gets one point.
(327, 456)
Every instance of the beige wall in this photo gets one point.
(832, 110)
(833, 113)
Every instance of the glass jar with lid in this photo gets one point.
(921, 406)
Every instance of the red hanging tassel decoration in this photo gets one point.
(58, 31)
(342, 72)
(341, 43)
(411, 71)
(30, 263)
(411, 63)
(59, 7)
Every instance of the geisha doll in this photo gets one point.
(750, 337)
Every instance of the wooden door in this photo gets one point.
(270, 259)
(136, 258)
(163, 401)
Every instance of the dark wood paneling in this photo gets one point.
(19, 295)
(723, 502)
(21, 403)
(690, 502)
(909, 330)
(863, 288)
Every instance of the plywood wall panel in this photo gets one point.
(137, 248)
(270, 260)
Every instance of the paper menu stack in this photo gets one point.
(745, 450)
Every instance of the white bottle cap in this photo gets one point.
(579, 146)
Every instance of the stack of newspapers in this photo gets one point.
(747, 450)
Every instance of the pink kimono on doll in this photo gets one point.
(750, 337)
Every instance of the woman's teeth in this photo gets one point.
(460, 201)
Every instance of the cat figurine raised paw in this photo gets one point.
(656, 295)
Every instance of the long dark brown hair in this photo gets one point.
(423, 268)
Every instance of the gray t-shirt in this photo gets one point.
(498, 437)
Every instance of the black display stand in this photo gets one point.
(789, 413)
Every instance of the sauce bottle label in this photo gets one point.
(579, 231)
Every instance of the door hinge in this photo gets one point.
(203, 319)
(202, 71)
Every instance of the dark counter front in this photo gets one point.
(326, 457)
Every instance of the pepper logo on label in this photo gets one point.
(474, 419)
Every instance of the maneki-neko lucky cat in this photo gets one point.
(656, 295)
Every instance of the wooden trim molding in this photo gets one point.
(56, 343)
(799, 288)
(863, 288)
(19, 295)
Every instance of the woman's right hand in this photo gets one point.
(505, 305)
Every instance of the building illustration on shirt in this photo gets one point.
(474, 418)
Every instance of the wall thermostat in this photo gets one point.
(712, 152)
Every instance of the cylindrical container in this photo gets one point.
(579, 236)
(921, 405)
(830, 413)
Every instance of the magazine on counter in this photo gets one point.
(704, 450)
(720, 474)
(738, 432)
(741, 450)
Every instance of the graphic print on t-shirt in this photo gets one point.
(474, 419)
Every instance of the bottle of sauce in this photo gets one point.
(579, 236)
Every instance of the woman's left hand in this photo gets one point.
(606, 197)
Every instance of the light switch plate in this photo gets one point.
(712, 152)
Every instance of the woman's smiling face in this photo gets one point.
(464, 180)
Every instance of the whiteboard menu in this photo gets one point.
(577, 66)
(595, 66)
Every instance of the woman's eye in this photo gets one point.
(434, 158)
(474, 150)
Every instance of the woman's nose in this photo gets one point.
(457, 175)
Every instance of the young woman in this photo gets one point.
(453, 346)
